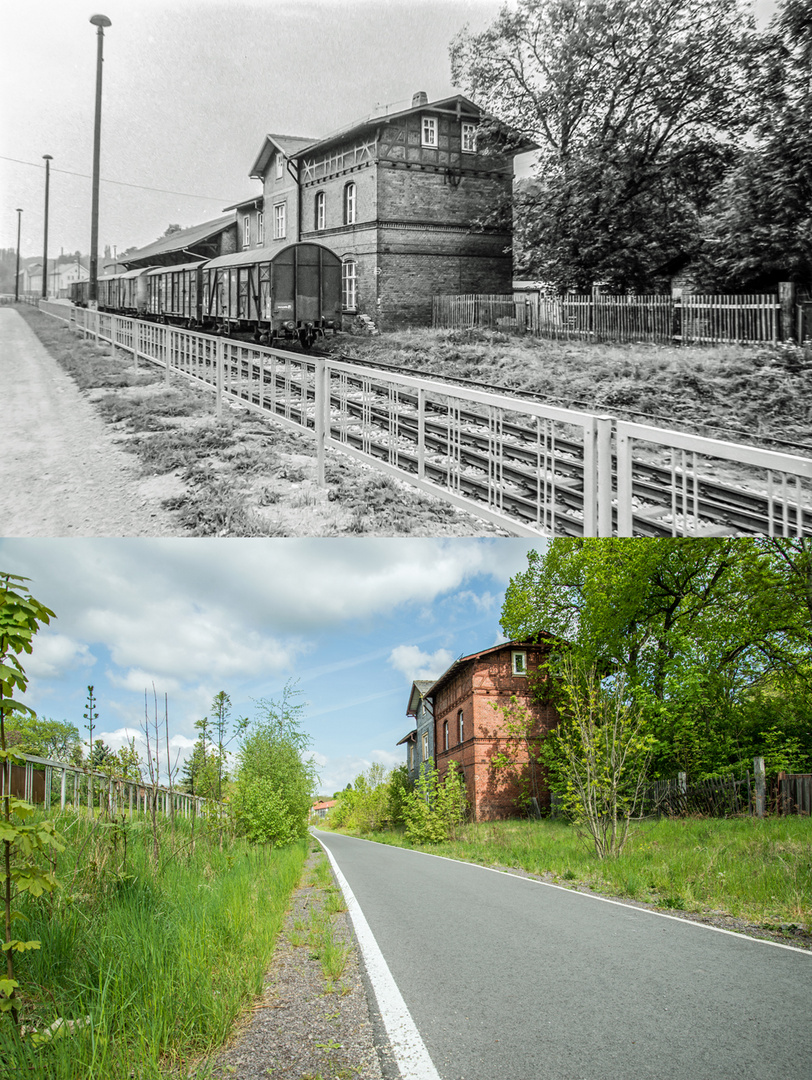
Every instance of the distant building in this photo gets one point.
(205, 241)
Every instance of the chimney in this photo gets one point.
(420, 98)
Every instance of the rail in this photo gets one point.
(530, 468)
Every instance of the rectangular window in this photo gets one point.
(425, 746)
(280, 161)
(279, 224)
(246, 231)
(348, 294)
(260, 228)
(349, 204)
(429, 131)
(445, 735)
(321, 210)
(461, 727)
(469, 138)
(519, 663)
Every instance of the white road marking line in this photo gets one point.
(740, 934)
(408, 1048)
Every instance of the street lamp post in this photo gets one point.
(48, 159)
(17, 273)
(99, 21)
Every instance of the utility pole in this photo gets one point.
(17, 273)
(48, 159)
(99, 21)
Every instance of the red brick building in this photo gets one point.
(468, 730)
(397, 197)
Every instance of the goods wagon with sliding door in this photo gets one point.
(274, 295)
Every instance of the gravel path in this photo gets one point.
(300, 1029)
(60, 471)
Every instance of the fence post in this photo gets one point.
(761, 785)
(786, 297)
(62, 788)
(676, 314)
(604, 443)
(321, 419)
(218, 361)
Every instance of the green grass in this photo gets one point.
(161, 960)
(756, 870)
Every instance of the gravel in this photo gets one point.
(301, 1028)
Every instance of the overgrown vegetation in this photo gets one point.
(144, 967)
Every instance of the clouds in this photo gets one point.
(55, 655)
(415, 664)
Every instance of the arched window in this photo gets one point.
(350, 192)
(320, 211)
(445, 735)
(348, 278)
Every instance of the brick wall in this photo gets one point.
(480, 684)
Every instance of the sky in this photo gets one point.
(348, 623)
(190, 89)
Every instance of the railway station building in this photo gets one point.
(416, 203)
(456, 720)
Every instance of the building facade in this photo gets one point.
(468, 727)
(415, 203)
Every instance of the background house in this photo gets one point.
(467, 729)
(205, 241)
(419, 742)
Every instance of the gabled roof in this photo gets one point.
(418, 691)
(283, 144)
(257, 201)
(462, 660)
(457, 105)
(178, 241)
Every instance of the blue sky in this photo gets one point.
(352, 622)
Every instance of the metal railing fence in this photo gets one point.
(530, 468)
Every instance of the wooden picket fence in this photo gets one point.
(720, 796)
(663, 319)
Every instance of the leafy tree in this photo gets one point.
(758, 229)
(521, 757)
(102, 756)
(23, 842)
(126, 762)
(695, 626)
(599, 755)
(436, 809)
(29, 734)
(635, 105)
(275, 784)
(199, 775)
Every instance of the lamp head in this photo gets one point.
(100, 20)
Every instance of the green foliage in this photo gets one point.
(275, 784)
(25, 845)
(160, 960)
(599, 755)
(713, 637)
(436, 810)
(30, 734)
(400, 787)
(521, 758)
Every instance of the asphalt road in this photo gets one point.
(511, 979)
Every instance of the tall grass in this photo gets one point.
(153, 962)
(757, 870)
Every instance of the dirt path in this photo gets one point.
(60, 471)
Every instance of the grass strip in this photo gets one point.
(750, 869)
(150, 964)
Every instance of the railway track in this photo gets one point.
(458, 455)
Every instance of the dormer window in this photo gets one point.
(429, 130)
(468, 138)
(519, 663)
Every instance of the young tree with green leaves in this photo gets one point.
(30, 734)
(24, 842)
(275, 782)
